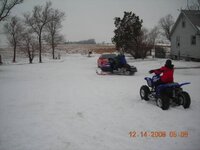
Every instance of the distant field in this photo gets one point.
(85, 48)
(7, 53)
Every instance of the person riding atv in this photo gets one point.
(166, 72)
(162, 88)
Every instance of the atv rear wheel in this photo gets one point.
(144, 92)
(184, 99)
(163, 102)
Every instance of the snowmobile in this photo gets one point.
(115, 66)
(165, 94)
(125, 70)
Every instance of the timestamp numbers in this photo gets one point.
(158, 134)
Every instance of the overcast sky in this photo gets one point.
(87, 19)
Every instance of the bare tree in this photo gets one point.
(145, 42)
(6, 6)
(37, 21)
(153, 34)
(193, 5)
(13, 30)
(166, 24)
(198, 4)
(53, 37)
(28, 44)
(145, 35)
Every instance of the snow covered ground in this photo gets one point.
(65, 105)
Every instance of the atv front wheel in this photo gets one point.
(184, 99)
(144, 92)
(163, 102)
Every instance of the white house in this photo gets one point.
(185, 35)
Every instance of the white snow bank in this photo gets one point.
(65, 105)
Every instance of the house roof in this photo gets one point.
(193, 17)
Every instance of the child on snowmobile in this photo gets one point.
(118, 62)
(112, 63)
(167, 72)
(122, 63)
(121, 60)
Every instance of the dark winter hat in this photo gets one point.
(169, 64)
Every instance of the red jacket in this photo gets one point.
(167, 74)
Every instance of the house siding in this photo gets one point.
(186, 49)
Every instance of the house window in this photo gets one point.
(183, 23)
(193, 40)
(178, 41)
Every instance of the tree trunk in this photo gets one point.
(30, 60)
(0, 60)
(53, 52)
(53, 49)
(14, 55)
(40, 49)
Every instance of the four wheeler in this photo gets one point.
(165, 94)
